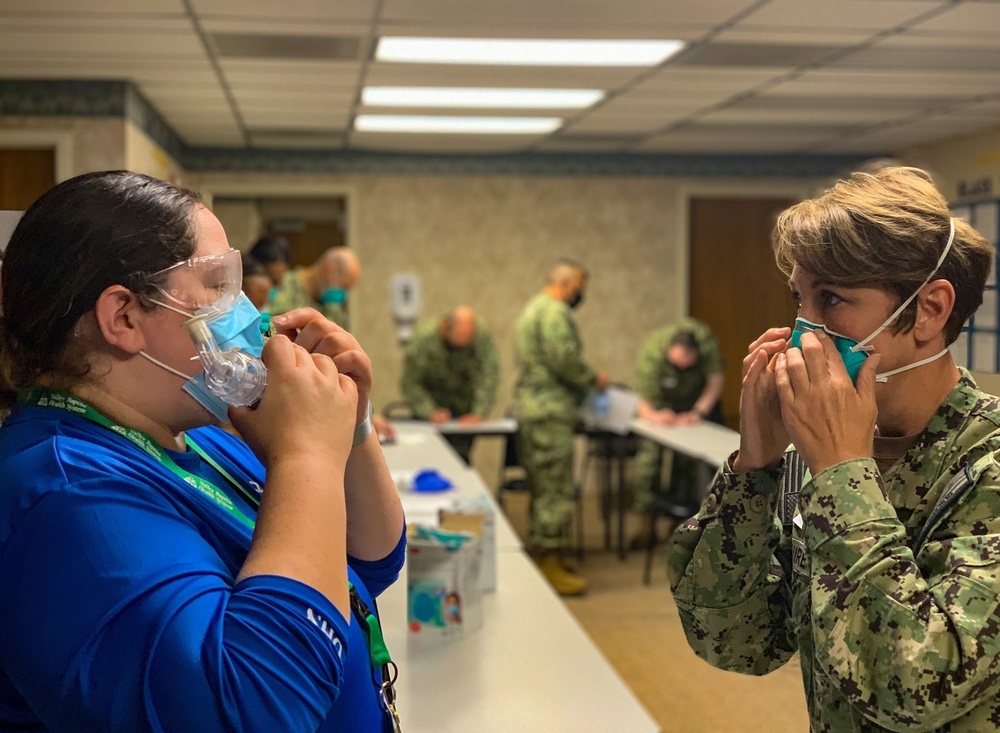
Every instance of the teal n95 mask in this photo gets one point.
(854, 352)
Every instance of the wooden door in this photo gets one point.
(735, 287)
(24, 176)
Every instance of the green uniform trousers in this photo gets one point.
(547, 454)
(683, 484)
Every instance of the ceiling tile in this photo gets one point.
(555, 13)
(516, 26)
(964, 18)
(591, 144)
(338, 10)
(105, 7)
(740, 115)
(918, 58)
(430, 143)
(101, 44)
(849, 83)
(871, 15)
(716, 79)
(729, 140)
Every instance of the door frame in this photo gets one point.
(61, 141)
(751, 188)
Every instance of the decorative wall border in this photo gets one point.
(123, 99)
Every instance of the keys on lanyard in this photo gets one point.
(381, 661)
(387, 693)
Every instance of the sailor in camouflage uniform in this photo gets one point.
(451, 371)
(322, 285)
(679, 379)
(552, 382)
(875, 554)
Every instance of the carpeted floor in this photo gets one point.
(638, 630)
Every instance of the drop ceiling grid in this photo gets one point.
(154, 43)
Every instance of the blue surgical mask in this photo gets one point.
(854, 352)
(239, 329)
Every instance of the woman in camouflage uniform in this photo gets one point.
(872, 544)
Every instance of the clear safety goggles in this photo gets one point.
(212, 282)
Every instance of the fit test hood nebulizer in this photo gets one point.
(237, 377)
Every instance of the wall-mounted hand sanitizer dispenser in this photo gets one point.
(405, 303)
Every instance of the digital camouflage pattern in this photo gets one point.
(547, 454)
(887, 585)
(552, 382)
(663, 385)
(462, 381)
(552, 379)
(292, 294)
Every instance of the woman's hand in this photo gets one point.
(763, 437)
(307, 409)
(318, 335)
(829, 420)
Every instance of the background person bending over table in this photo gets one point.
(679, 378)
(880, 564)
(158, 573)
(451, 371)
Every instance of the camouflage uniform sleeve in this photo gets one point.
(411, 381)
(733, 596)
(489, 376)
(647, 368)
(561, 346)
(911, 647)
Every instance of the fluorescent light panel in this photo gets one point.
(525, 52)
(481, 98)
(457, 125)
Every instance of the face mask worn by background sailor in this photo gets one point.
(854, 352)
(225, 328)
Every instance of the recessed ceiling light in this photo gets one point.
(480, 97)
(525, 52)
(457, 125)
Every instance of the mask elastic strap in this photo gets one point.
(170, 308)
(860, 346)
(158, 363)
(884, 376)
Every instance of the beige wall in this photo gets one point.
(487, 241)
(241, 220)
(142, 155)
(969, 159)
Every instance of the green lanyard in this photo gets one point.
(71, 403)
(367, 620)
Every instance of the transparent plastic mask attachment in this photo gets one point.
(234, 376)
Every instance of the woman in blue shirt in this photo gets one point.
(159, 574)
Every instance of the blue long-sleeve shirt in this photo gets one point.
(119, 609)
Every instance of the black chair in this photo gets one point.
(664, 507)
(609, 451)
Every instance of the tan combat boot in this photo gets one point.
(565, 582)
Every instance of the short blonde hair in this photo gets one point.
(886, 229)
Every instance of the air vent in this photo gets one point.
(316, 48)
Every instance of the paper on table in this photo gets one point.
(611, 410)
